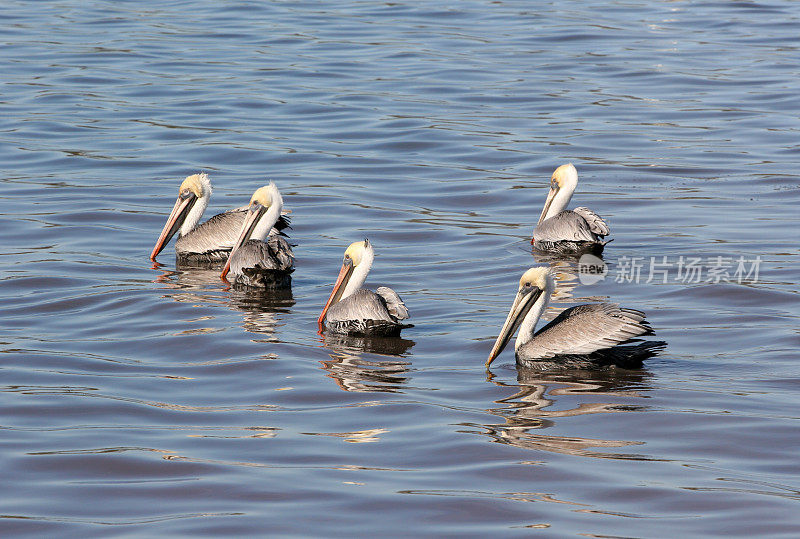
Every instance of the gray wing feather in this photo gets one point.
(585, 329)
(596, 223)
(220, 232)
(283, 222)
(564, 226)
(397, 309)
(273, 254)
(217, 234)
(363, 304)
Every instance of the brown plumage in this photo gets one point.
(563, 230)
(581, 336)
(261, 256)
(357, 311)
(209, 243)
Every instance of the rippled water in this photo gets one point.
(148, 401)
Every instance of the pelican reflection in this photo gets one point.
(262, 311)
(540, 400)
(353, 372)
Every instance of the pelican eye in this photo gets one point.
(527, 285)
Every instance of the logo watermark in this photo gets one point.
(591, 269)
(664, 269)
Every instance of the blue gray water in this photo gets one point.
(144, 401)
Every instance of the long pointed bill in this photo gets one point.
(525, 299)
(550, 196)
(250, 222)
(341, 283)
(174, 222)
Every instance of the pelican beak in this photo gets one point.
(341, 283)
(176, 218)
(526, 297)
(550, 196)
(253, 215)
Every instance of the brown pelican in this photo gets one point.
(210, 242)
(565, 230)
(579, 337)
(261, 255)
(358, 311)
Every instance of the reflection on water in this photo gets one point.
(516, 496)
(565, 271)
(352, 372)
(534, 405)
(433, 130)
(190, 285)
(261, 309)
(262, 313)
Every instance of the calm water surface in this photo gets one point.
(143, 401)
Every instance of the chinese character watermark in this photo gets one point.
(664, 269)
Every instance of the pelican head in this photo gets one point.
(193, 196)
(535, 287)
(262, 214)
(562, 185)
(357, 261)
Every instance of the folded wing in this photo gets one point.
(586, 329)
(596, 223)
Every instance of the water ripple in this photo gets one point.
(154, 398)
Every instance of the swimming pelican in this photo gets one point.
(564, 230)
(581, 336)
(261, 255)
(355, 310)
(209, 242)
